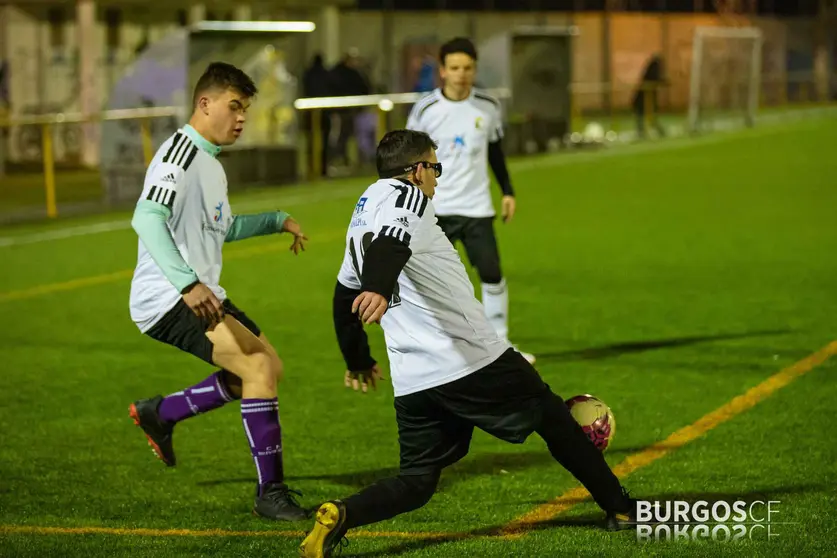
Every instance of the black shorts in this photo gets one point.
(181, 328)
(505, 399)
(477, 235)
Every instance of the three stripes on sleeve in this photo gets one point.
(397, 233)
(413, 200)
(181, 153)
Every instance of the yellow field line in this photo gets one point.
(66, 285)
(283, 244)
(680, 438)
(37, 530)
(524, 523)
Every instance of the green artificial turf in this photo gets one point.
(665, 278)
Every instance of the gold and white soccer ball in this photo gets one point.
(595, 418)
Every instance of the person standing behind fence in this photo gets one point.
(348, 81)
(646, 96)
(316, 82)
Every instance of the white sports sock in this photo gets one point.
(495, 299)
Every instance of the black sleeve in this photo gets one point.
(497, 162)
(350, 333)
(382, 264)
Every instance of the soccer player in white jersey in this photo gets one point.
(183, 219)
(451, 372)
(467, 125)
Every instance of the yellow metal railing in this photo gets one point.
(384, 104)
(48, 121)
(604, 102)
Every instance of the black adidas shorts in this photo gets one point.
(181, 328)
(505, 399)
(477, 235)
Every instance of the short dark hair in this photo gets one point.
(399, 149)
(220, 75)
(456, 46)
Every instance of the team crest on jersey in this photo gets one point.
(357, 220)
(361, 203)
(219, 212)
(456, 147)
(478, 123)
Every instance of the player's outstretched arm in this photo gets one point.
(361, 368)
(260, 224)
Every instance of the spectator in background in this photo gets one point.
(426, 79)
(348, 81)
(316, 82)
(366, 130)
(646, 95)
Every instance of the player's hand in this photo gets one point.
(363, 379)
(370, 307)
(291, 226)
(299, 243)
(509, 207)
(204, 304)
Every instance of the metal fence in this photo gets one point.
(47, 180)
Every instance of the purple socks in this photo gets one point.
(201, 398)
(259, 416)
(261, 424)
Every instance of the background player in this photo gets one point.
(450, 369)
(183, 219)
(467, 125)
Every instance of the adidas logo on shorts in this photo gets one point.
(168, 178)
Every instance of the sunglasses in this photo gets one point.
(437, 169)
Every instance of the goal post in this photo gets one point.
(725, 76)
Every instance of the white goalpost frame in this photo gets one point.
(703, 32)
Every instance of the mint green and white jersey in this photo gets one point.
(186, 177)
